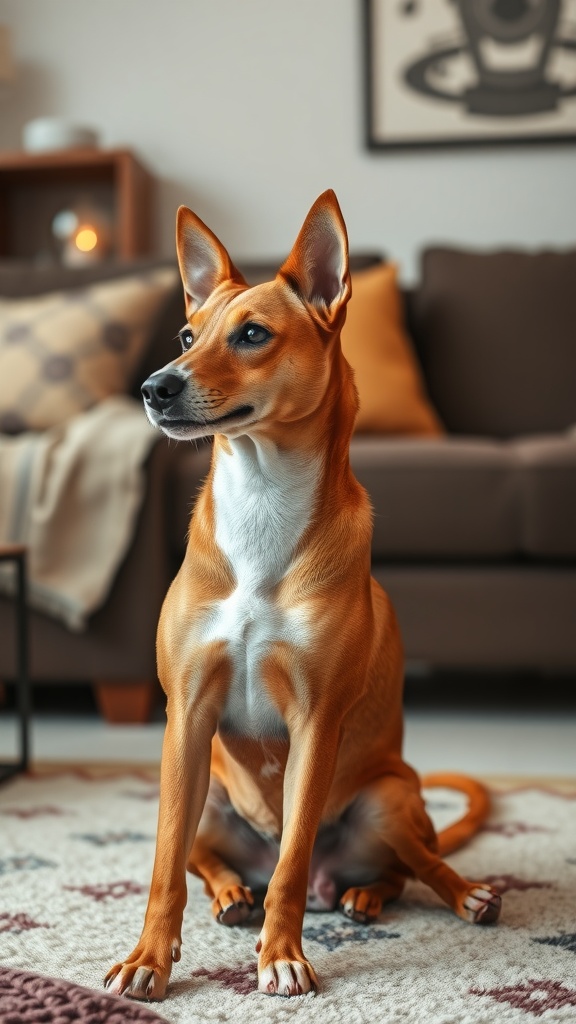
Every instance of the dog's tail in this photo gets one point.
(457, 834)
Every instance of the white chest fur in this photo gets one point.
(263, 504)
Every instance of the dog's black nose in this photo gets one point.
(160, 390)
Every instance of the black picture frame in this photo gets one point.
(507, 128)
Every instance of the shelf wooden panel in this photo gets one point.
(35, 186)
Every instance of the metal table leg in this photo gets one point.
(16, 553)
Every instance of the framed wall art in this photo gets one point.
(461, 72)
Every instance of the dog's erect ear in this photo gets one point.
(317, 267)
(203, 260)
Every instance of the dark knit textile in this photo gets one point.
(27, 998)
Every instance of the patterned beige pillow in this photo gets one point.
(63, 352)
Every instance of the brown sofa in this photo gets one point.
(474, 532)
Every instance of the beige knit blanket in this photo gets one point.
(72, 495)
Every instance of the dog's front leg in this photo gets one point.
(184, 779)
(282, 967)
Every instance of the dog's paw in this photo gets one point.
(283, 969)
(481, 904)
(233, 904)
(135, 982)
(141, 976)
(287, 978)
(360, 905)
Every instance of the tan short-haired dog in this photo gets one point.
(279, 654)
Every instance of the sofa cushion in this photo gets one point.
(388, 376)
(63, 351)
(496, 336)
(454, 497)
(20, 278)
(547, 476)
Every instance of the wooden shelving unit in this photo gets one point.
(34, 187)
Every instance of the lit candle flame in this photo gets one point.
(86, 239)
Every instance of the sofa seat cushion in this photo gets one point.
(455, 497)
(496, 337)
(547, 476)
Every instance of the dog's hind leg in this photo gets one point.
(364, 903)
(407, 828)
(230, 856)
(232, 900)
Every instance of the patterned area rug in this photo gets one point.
(76, 855)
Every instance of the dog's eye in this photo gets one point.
(186, 338)
(252, 334)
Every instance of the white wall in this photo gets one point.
(247, 109)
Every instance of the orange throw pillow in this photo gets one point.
(393, 397)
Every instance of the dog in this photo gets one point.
(279, 654)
